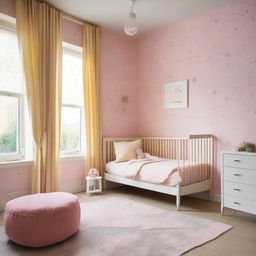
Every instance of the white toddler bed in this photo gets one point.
(191, 160)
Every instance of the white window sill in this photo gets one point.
(21, 163)
(65, 158)
(17, 163)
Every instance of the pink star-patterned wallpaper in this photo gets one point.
(215, 51)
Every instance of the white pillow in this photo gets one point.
(126, 150)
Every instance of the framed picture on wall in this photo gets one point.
(176, 94)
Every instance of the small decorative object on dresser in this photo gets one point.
(248, 147)
(93, 182)
(238, 181)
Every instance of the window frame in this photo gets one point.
(76, 51)
(8, 24)
(19, 154)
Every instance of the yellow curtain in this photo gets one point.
(38, 29)
(92, 96)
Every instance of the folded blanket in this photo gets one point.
(165, 171)
(134, 166)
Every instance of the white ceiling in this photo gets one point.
(151, 14)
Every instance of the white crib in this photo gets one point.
(197, 150)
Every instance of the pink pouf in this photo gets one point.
(42, 219)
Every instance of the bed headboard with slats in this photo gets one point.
(187, 151)
(196, 147)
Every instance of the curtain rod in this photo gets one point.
(72, 18)
(79, 21)
(75, 19)
(67, 15)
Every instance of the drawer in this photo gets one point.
(240, 204)
(239, 175)
(240, 161)
(240, 190)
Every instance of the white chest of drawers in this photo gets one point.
(238, 181)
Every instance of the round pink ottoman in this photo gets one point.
(42, 219)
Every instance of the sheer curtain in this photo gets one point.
(38, 29)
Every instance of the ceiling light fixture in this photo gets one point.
(130, 27)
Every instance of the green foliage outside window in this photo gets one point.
(8, 140)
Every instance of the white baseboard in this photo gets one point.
(73, 188)
(80, 187)
(7, 197)
(204, 196)
(216, 198)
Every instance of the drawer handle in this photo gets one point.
(236, 203)
(237, 174)
(236, 160)
(236, 189)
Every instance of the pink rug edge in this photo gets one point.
(197, 246)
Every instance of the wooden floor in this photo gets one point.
(239, 241)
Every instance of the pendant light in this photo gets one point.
(130, 27)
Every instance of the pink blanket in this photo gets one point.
(166, 171)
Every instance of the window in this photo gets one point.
(72, 120)
(11, 98)
(16, 141)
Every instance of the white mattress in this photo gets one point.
(187, 176)
(116, 168)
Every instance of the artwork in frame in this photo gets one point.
(176, 94)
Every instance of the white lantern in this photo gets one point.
(93, 184)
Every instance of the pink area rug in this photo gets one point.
(121, 227)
